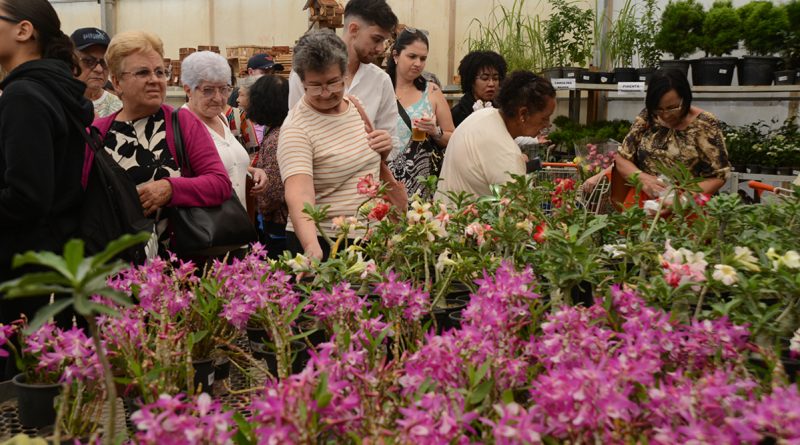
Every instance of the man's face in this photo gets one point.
(94, 71)
(369, 41)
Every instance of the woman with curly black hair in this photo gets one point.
(481, 73)
(482, 150)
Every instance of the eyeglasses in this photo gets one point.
(91, 62)
(487, 77)
(412, 30)
(145, 73)
(316, 90)
(208, 92)
(670, 110)
(9, 19)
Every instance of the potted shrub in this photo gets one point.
(763, 25)
(790, 52)
(681, 28)
(568, 38)
(647, 27)
(721, 32)
(621, 44)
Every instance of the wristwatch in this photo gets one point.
(439, 133)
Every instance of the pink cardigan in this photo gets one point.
(206, 184)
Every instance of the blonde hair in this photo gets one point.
(126, 43)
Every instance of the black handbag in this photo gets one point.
(207, 231)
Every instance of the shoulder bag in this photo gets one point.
(207, 231)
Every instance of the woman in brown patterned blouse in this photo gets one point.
(671, 131)
(268, 106)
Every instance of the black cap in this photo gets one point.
(86, 37)
(263, 61)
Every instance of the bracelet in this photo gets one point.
(439, 133)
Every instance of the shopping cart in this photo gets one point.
(759, 188)
(596, 201)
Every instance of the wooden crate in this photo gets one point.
(175, 77)
(245, 51)
(212, 48)
(184, 52)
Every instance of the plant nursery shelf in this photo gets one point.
(595, 91)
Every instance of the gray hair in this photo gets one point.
(205, 66)
(247, 82)
(317, 51)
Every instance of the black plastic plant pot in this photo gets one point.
(625, 75)
(756, 70)
(443, 320)
(589, 77)
(753, 168)
(713, 71)
(299, 351)
(769, 170)
(553, 73)
(605, 77)
(35, 402)
(681, 65)
(582, 294)
(786, 171)
(257, 334)
(797, 77)
(203, 374)
(222, 368)
(573, 72)
(785, 77)
(644, 74)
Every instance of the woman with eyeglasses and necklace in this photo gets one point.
(205, 77)
(669, 131)
(323, 149)
(425, 125)
(90, 47)
(41, 150)
(140, 136)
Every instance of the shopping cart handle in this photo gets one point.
(559, 164)
(755, 185)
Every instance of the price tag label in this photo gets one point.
(563, 84)
(630, 87)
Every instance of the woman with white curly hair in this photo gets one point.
(206, 78)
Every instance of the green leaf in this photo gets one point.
(198, 336)
(44, 314)
(507, 396)
(45, 259)
(116, 296)
(302, 335)
(480, 392)
(33, 291)
(119, 245)
(482, 371)
(244, 432)
(73, 255)
(296, 312)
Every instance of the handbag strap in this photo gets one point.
(401, 110)
(177, 140)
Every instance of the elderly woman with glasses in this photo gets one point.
(206, 80)
(140, 137)
(669, 131)
(323, 148)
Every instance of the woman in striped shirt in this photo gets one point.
(323, 147)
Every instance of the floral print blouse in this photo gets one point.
(700, 147)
